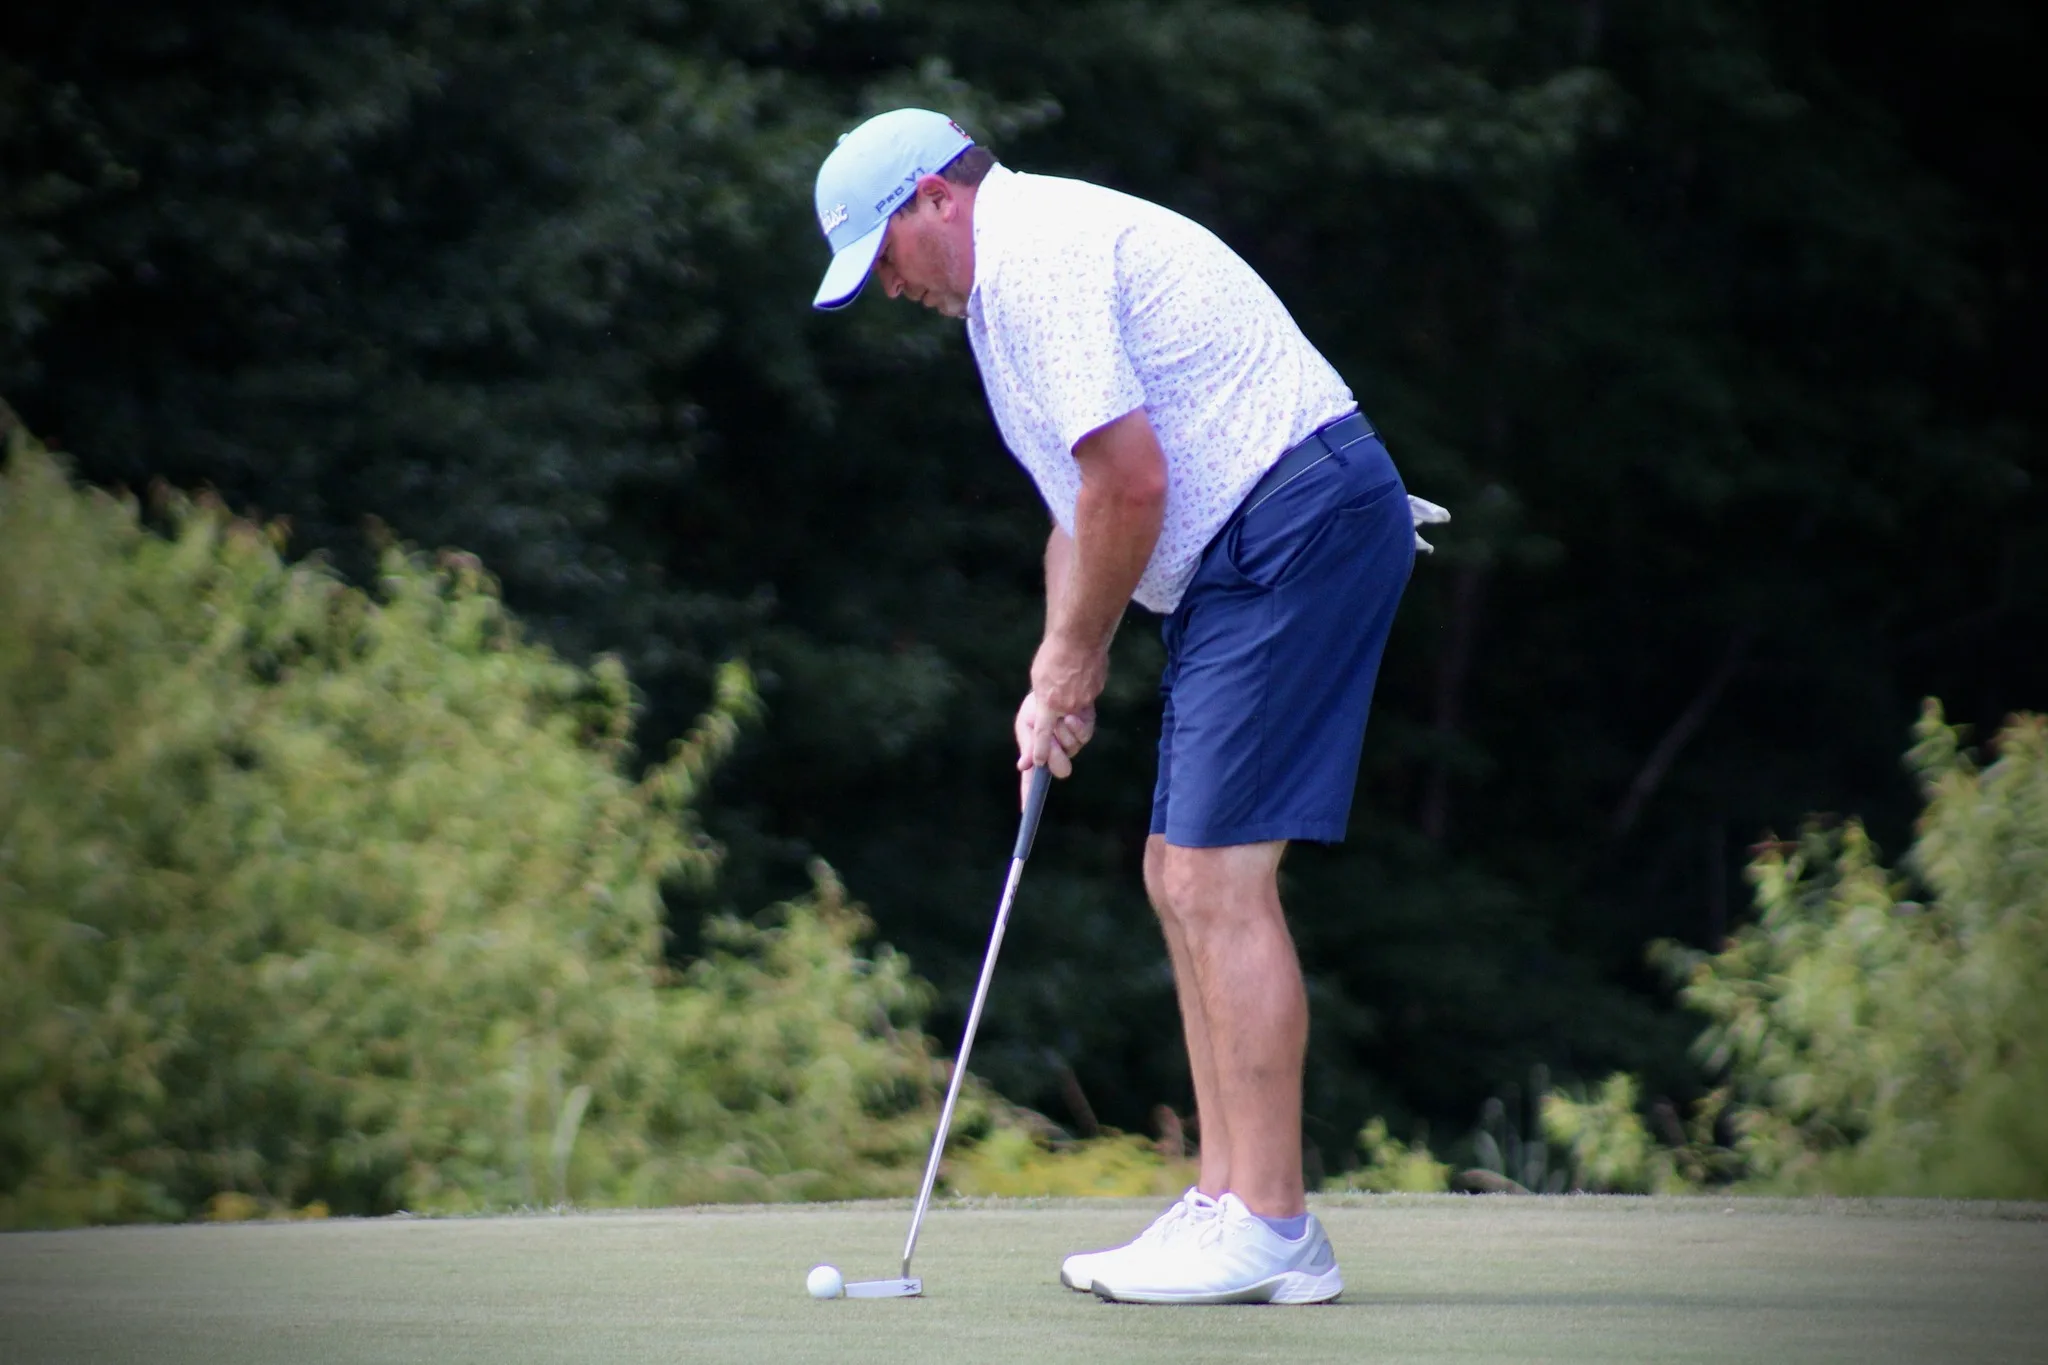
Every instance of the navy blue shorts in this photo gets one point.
(1272, 654)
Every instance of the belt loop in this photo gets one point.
(1327, 434)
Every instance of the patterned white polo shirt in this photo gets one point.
(1088, 303)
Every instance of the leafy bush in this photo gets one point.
(310, 894)
(1013, 1160)
(1612, 1151)
(1869, 1042)
(1879, 1043)
(1392, 1166)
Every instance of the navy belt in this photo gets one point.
(1319, 445)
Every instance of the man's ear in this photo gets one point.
(938, 191)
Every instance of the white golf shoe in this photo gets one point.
(1189, 1211)
(1232, 1257)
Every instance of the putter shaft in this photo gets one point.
(1027, 831)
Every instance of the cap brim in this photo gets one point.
(849, 269)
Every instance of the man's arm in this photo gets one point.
(1089, 578)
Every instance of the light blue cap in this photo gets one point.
(865, 179)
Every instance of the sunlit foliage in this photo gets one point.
(311, 894)
(1887, 1035)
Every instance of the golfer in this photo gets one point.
(1198, 456)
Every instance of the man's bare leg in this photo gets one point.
(1251, 1009)
(1211, 1125)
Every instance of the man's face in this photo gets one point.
(928, 254)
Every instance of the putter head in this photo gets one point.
(885, 1289)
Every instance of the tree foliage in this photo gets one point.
(311, 894)
(1717, 366)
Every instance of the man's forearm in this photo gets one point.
(1113, 539)
(1117, 516)
(1059, 569)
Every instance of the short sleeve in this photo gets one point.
(1059, 324)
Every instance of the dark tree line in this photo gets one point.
(1715, 323)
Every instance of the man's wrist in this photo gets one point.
(1063, 655)
(1065, 641)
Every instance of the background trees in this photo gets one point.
(1715, 324)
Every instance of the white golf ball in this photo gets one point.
(825, 1282)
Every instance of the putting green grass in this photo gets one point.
(1430, 1279)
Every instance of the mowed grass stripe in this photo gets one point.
(1430, 1279)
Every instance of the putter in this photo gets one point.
(906, 1286)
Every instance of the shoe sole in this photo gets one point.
(1086, 1287)
(1295, 1286)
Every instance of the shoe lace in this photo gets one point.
(1192, 1208)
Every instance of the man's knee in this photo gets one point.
(1203, 887)
(1155, 871)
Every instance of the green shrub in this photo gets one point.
(1012, 1160)
(1392, 1166)
(1611, 1149)
(318, 896)
(1875, 1043)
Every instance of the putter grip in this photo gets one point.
(1034, 802)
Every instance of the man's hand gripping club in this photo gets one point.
(1089, 578)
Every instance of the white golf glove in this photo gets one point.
(1426, 513)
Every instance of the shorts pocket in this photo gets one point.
(1275, 542)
